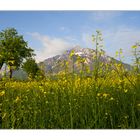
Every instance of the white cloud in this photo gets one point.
(114, 39)
(123, 38)
(51, 46)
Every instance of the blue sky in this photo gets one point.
(51, 32)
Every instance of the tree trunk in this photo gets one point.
(1, 64)
(10, 71)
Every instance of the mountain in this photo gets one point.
(81, 59)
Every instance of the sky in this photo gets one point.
(50, 33)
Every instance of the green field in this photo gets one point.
(71, 102)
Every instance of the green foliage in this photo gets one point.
(31, 67)
(98, 53)
(136, 54)
(70, 103)
(13, 49)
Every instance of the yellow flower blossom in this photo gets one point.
(2, 93)
(17, 99)
(125, 90)
(111, 99)
(105, 95)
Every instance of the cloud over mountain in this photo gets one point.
(51, 46)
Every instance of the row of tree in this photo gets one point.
(15, 53)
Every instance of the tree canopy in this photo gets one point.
(13, 49)
(31, 67)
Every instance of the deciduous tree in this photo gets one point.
(31, 67)
(13, 49)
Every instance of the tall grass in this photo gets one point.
(67, 103)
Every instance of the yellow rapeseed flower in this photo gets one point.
(17, 99)
(111, 99)
(2, 93)
(125, 90)
(3, 115)
(105, 95)
(98, 94)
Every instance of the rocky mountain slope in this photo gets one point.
(76, 59)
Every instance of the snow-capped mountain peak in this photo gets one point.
(58, 63)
